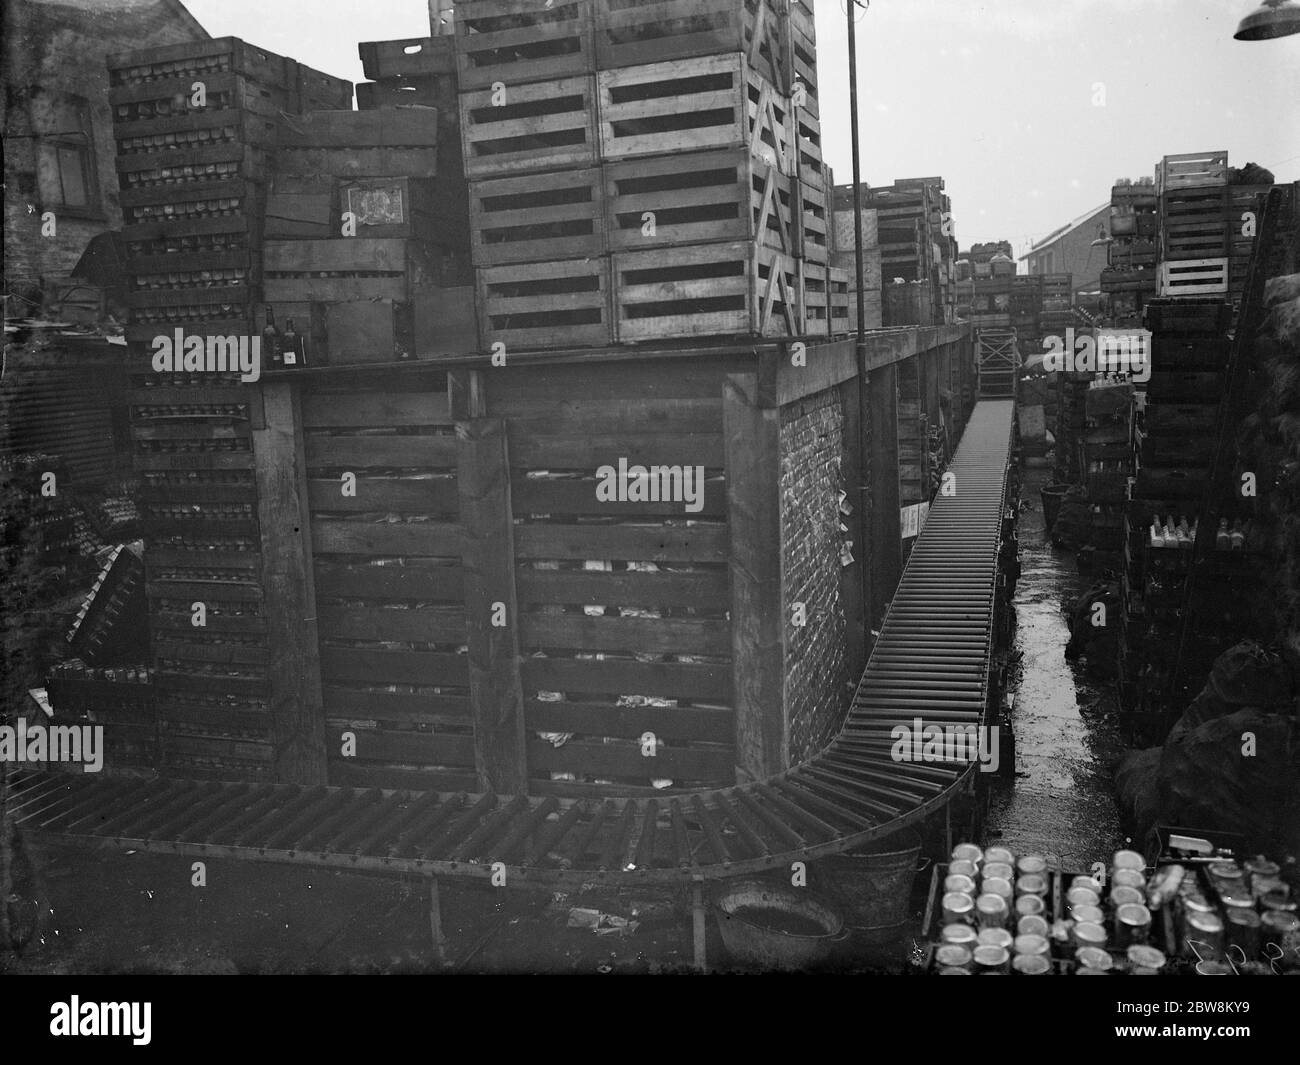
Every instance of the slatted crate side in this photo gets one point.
(518, 41)
(1192, 170)
(211, 161)
(693, 105)
(808, 149)
(191, 59)
(412, 57)
(814, 224)
(697, 198)
(301, 272)
(801, 46)
(634, 32)
(381, 753)
(815, 298)
(537, 217)
(539, 126)
(1194, 277)
(439, 91)
(415, 127)
(735, 289)
(840, 288)
(560, 304)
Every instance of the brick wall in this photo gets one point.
(815, 668)
(53, 51)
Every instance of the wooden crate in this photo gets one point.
(413, 57)
(557, 304)
(435, 91)
(541, 126)
(801, 44)
(306, 271)
(1204, 316)
(514, 42)
(827, 298)
(808, 147)
(310, 212)
(1194, 223)
(538, 217)
(403, 207)
(178, 167)
(1194, 277)
(694, 104)
(358, 144)
(814, 223)
(632, 32)
(701, 197)
(1192, 170)
(732, 289)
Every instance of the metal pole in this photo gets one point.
(850, 7)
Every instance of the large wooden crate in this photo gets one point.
(1192, 170)
(557, 304)
(513, 42)
(359, 144)
(801, 38)
(733, 289)
(413, 57)
(546, 125)
(1194, 277)
(697, 198)
(632, 32)
(538, 217)
(828, 301)
(1194, 223)
(350, 268)
(694, 104)
(814, 222)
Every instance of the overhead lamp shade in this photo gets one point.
(1273, 18)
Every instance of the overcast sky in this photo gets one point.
(997, 97)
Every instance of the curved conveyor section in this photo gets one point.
(931, 663)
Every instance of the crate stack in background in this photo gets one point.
(1106, 464)
(196, 126)
(844, 255)
(644, 172)
(1192, 191)
(1130, 276)
(985, 295)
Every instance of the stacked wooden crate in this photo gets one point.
(985, 297)
(196, 125)
(1244, 209)
(844, 255)
(1106, 462)
(1130, 276)
(620, 200)
(1193, 226)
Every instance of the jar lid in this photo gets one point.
(1133, 914)
(1128, 860)
(1090, 934)
(991, 904)
(1196, 904)
(1031, 884)
(1225, 871)
(1128, 878)
(996, 885)
(995, 937)
(967, 852)
(1032, 864)
(1028, 905)
(964, 867)
(961, 934)
(1093, 958)
(1120, 895)
(1031, 965)
(954, 902)
(1086, 882)
(1245, 918)
(953, 954)
(1140, 955)
(1205, 922)
(999, 854)
(1261, 866)
(1236, 900)
(954, 972)
(959, 883)
(1082, 897)
(987, 957)
(999, 870)
(1280, 921)
(1213, 968)
(1278, 900)
(1029, 943)
(1093, 914)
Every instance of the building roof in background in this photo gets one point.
(1069, 227)
(101, 7)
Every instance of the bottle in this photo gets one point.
(271, 340)
(1184, 537)
(1171, 537)
(1157, 536)
(290, 343)
(1238, 536)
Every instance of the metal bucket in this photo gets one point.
(1053, 495)
(771, 926)
(874, 884)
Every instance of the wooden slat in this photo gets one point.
(702, 589)
(654, 543)
(595, 719)
(685, 763)
(378, 623)
(620, 676)
(394, 667)
(352, 452)
(385, 494)
(339, 580)
(647, 635)
(424, 539)
(387, 409)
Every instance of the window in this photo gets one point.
(67, 162)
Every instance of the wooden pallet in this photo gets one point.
(514, 42)
(701, 197)
(534, 306)
(693, 105)
(634, 32)
(540, 126)
(413, 57)
(1192, 170)
(1194, 277)
(735, 289)
(538, 217)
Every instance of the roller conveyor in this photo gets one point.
(931, 661)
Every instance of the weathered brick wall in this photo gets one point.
(812, 438)
(60, 48)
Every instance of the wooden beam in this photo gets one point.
(491, 609)
(886, 548)
(289, 591)
(758, 636)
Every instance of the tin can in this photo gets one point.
(1260, 866)
(1093, 914)
(1094, 958)
(992, 960)
(1128, 860)
(1033, 925)
(999, 854)
(1132, 924)
(1029, 905)
(957, 907)
(962, 935)
(1086, 882)
(1226, 876)
(1032, 944)
(1079, 896)
(1205, 930)
(1031, 965)
(1261, 886)
(1134, 878)
(1122, 896)
(998, 871)
(1242, 928)
(1282, 929)
(953, 956)
(963, 867)
(996, 885)
(1032, 884)
(961, 884)
(1148, 959)
(1088, 934)
(991, 911)
(954, 972)
(1278, 901)
(1237, 900)
(1031, 865)
(995, 937)
(967, 852)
